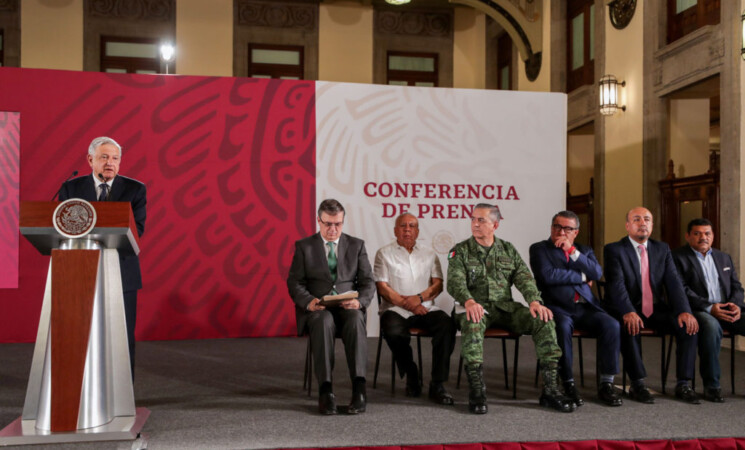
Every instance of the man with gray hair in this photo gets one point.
(481, 272)
(105, 184)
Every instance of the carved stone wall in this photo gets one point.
(411, 30)
(10, 23)
(276, 23)
(688, 60)
(155, 19)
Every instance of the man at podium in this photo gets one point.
(105, 184)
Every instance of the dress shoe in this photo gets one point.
(609, 395)
(570, 391)
(327, 404)
(641, 394)
(556, 400)
(713, 395)
(358, 403)
(413, 388)
(687, 394)
(439, 394)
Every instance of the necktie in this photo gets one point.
(104, 192)
(647, 296)
(576, 294)
(332, 260)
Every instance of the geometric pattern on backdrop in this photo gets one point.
(10, 174)
(229, 165)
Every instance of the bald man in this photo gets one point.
(637, 271)
(408, 277)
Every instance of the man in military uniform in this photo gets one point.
(481, 272)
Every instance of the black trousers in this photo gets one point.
(396, 333)
(662, 319)
(350, 325)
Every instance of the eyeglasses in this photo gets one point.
(336, 225)
(556, 227)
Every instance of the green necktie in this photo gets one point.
(332, 260)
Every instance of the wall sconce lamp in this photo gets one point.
(608, 89)
(167, 52)
(397, 2)
(742, 46)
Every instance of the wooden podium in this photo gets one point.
(80, 386)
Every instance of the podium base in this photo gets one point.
(24, 432)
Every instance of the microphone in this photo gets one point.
(100, 177)
(56, 194)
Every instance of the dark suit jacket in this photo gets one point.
(695, 284)
(123, 189)
(558, 279)
(310, 277)
(623, 278)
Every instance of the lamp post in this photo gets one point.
(167, 52)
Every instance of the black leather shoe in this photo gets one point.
(557, 401)
(570, 391)
(439, 394)
(358, 403)
(641, 394)
(687, 394)
(478, 406)
(327, 404)
(609, 395)
(713, 395)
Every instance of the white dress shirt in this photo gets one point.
(406, 273)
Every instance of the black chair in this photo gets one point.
(419, 333)
(504, 335)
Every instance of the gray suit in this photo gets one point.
(310, 278)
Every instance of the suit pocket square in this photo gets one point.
(726, 269)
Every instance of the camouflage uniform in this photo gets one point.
(487, 277)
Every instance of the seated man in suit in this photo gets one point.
(409, 278)
(637, 270)
(564, 272)
(715, 295)
(481, 272)
(332, 262)
(105, 184)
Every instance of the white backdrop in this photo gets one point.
(445, 150)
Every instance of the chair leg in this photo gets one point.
(666, 360)
(732, 362)
(460, 369)
(504, 364)
(377, 361)
(514, 368)
(581, 362)
(308, 381)
(537, 369)
(393, 374)
(421, 368)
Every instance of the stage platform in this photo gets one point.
(247, 393)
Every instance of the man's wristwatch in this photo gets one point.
(421, 299)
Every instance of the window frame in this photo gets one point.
(705, 12)
(276, 71)
(132, 64)
(504, 59)
(411, 77)
(585, 74)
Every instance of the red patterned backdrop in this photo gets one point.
(10, 129)
(229, 165)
